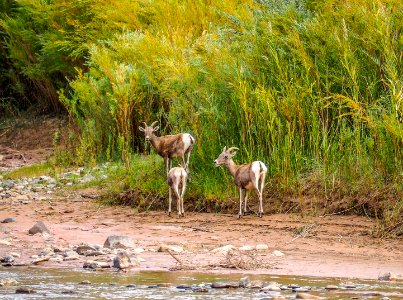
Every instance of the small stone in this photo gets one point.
(332, 287)
(119, 241)
(224, 285)
(244, 282)
(9, 220)
(24, 290)
(278, 253)
(85, 282)
(14, 254)
(184, 287)
(167, 248)
(247, 248)
(262, 247)
(39, 227)
(122, 261)
(293, 286)
(83, 249)
(131, 286)
(223, 250)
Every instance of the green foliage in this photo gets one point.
(312, 88)
(30, 171)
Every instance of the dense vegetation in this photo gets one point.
(312, 88)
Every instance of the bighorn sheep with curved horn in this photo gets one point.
(170, 146)
(247, 177)
(177, 178)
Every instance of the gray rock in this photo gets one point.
(244, 282)
(24, 290)
(224, 285)
(85, 282)
(8, 184)
(119, 241)
(39, 227)
(96, 265)
(122, 261)
(7, 259)
(9, 220)
(84, 249)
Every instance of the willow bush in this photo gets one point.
(312, 88)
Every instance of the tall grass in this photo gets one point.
(312, 88)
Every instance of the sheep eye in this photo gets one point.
(226, 157)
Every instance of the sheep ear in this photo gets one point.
(141, 128)
(156, 128)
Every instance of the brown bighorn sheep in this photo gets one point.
(170, 146)
(247, 177)
(177, 178)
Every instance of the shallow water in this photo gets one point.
(65, 284)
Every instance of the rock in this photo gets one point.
(199, 289)
(301, 289)
(131, 286)
(332, 287)
(83, 249)
(306, 296)
(39, 260)
(7, 259)
(96, 264)
(224, 285)
(85, 282)
(184, 287)
(173, 248)
(247, 248)
(70, 255)
(119, 241)
(8, 282)
(9, 220)
(244, 282)
(39, 227)
(8, 184)
(277, 253)
(349, 285)
(293, 286)
(24, 290)
(122, 261)
(223, 250)
(390, 277)
(262, 247)
(272, 286)
(255, 284)
(14, 254)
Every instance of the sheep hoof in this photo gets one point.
(239, 216)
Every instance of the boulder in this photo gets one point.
(244, 282)
(9, 220)
(84, 249)
(119, 241)
(39, 227)
(122, 261)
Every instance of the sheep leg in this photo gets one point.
(246, 201)
(240, 203)
(170, 201)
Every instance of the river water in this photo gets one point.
(68, 284)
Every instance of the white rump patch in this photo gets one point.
(187, 140)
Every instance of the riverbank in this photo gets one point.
(333, 246)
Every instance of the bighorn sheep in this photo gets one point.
(247, 177)
(170, 146)
(177, 178)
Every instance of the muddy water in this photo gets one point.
(67, 284)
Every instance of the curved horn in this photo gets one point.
(224, 149)
(145, 124)
(153, 123)
(232, 149)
